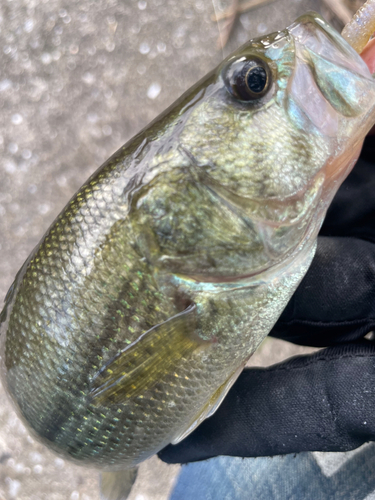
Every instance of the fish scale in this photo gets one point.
(137, 311)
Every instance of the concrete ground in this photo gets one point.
(77, 80)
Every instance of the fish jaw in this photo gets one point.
(332, 93)
(331, 83)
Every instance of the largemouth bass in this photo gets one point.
(135, 314)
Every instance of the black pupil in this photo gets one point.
(256, 79)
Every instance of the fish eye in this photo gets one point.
(248, 79)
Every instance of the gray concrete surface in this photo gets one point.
(77, 80)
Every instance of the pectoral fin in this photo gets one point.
(210, 407)
(117, 485)
(144, 362)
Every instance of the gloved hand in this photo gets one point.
(324, 401)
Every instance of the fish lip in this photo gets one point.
(317, 96)
(306, 32)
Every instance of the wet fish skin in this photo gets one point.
(135, 313)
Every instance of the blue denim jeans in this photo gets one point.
(305, 476)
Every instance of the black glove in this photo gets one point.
(324, 401)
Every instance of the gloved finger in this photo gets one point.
(320, 402)
(335, 301)
(352, 212)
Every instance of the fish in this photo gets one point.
(134, 315)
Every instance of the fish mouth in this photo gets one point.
(332, 90)
(312, 32)
(330, 80)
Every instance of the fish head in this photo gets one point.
(275, 130)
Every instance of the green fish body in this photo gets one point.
(140, 306)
